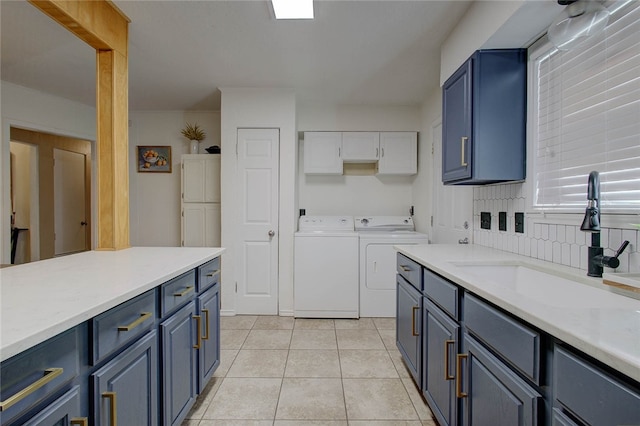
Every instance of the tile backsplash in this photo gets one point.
(553, 242)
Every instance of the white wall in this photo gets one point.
(34, 110)
(352, 194)
(154, 202)
(259, 108)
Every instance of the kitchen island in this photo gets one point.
(95, 315)
(516, 336)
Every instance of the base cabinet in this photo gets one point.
(64, 411)
(209, 352)
(408, 325)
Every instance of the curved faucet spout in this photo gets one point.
(591, 222)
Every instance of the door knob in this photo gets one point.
(272, 233)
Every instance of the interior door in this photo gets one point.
(452, 205)
(257, 254)
(69, 192)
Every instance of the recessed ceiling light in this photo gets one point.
(293, 9)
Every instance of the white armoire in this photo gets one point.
(201, 200)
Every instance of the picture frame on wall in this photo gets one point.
(154, 159)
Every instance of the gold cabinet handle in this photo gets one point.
(79, 421)
(405, 268)
(413, 320)
(143, 317)
(198, 319)
(187, 290)
(447, 345)
(111, 396)
(49, 375)
(463, 142)
(206, 324)
(214, 273)
(459, 393)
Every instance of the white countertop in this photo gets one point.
(585, 314)
(42, 299)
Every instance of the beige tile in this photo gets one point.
(377, 399)
(385, 323)
(386, 423)
(226, 359)
(245, 399)
(310, 423)
(274, 323)
(312, 363)
(401, 368)
(237, 322)
(388, 338)
(232, 339)
(366, 364)
(259, 363)
(311, 399)
(190, 422)
(204, 399)
(313, 339)
(359, 339)
(268, 339)
(421, 407)
(235, 423)
(430, 422)
(314, 324)
(354, 324)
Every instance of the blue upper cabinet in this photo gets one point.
(484, 119)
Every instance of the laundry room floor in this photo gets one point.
(286, 371)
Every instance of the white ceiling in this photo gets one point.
(353, 52)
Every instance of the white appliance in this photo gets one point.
(378, 235)
(325, 280)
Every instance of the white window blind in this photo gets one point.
(587, 117)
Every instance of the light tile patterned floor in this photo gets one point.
(285, 371)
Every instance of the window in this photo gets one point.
(586, 116)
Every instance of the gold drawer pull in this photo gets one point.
(413, 320)
(49, 375)
(143, 317)
(447, 344)
(463, 142)
(111, 396)
(405, 268)
(459, 392)
(214, 273)
(185, 291)
(206, 324)
(79, 421)
(198, 319)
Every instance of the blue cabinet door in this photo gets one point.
(408, 327)
(456, 124)
(125, 390)
(495, 395)
(179, 335)
(60, 412)
(439, 354)
(209, 352)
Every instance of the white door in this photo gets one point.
(453, 204)
(70, 223)
(257, 253)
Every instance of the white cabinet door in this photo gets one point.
(322, 153)
(398, 153)
(212, 178)
(360, 146)
(201, 224)
(212, 220)
(201, 178)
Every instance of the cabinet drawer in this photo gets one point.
(114, 328)
(517, 343)
(177, 292)
(410, 270)
(34, 375)
(208, 274)
(442, 293)
(591, 394)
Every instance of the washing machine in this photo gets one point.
(325, 273)
(378, 235)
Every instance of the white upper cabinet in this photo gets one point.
(360, 146)
(398, 153)
(322, 153)
(201, 178)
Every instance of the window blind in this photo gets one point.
(587, 117)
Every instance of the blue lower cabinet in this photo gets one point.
(408, 327)
(491, 393)
(181, 335)
(64, 411)
(125, 390)
(209, 352)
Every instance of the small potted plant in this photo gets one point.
(195, 134)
